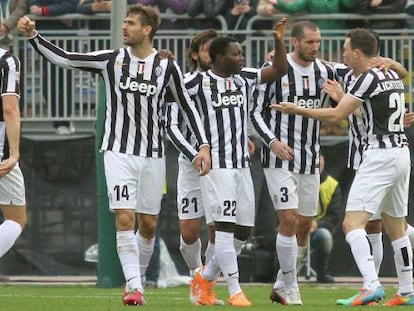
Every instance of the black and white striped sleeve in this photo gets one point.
(93, 61)
(188, 109)
(175, 134)
(261, 100)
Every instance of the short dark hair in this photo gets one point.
(363, 40)
(149, 16)
(219, 46)
(299, 27)
(197, 42)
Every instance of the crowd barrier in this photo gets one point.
(77, 95)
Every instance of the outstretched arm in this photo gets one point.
(26, 26)
(279, 61)
(346, 106)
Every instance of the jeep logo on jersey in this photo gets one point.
(227, 99)
(309, 102)
(133, 85)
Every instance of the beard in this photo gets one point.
(307, 58)
(204, 66)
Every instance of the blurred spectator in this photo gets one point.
(91, 7)
(326, 7)
(326, 224)
(210, 8)
(240, 7)
(238, 14)
(266, 7)
(54, 80)
(17, 8)
(177, 6)
(292, 7)
(377, 7)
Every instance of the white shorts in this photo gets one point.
(381, 183)
(189, 199)
(12, 190)
(134, 182)
(290, 190)
(229, 194)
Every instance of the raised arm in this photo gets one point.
(93, 61)
(279, 61)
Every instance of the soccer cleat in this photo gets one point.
(239, 300)
(278, 295)
(348, 301)
(293, 297)
(134, 298)
(194, 291)
(364, 297)
(398, 300)
(206, 297)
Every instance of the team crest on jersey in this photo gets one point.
(158, 71)
(207, 85)
(218, 210)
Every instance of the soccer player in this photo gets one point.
(357, 137)
(12, 189)
(136, 80)
(381, 181)
(189, 201)
(291, 152)
(222, 96)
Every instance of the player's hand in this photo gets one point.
(279, 30)
(7, 165)
(26, 26)
(269, 57)
(203, 161)
(382, 63)
(334, 89)
(281, 150)
(251, 147)
(166, 54)
(285, 107)
(408, 119)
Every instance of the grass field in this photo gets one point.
(73, 298)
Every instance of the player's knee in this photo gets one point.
(125, 220)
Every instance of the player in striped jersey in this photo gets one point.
(357, 137)
(189, 201)
(290, 155)
(12, 190)
(136, 79)
(381, 181)
(222, 95)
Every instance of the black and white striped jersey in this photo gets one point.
(356, 132)
(9, 85)
(177, 130)
(304, 87)
(223, 106)
(383, 108)
(135, 93)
